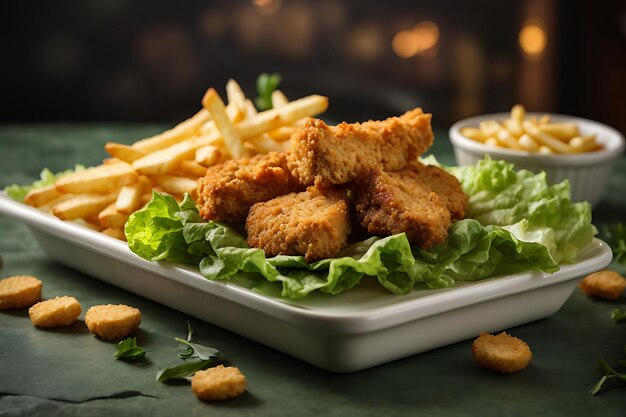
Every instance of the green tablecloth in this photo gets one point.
(70, 372)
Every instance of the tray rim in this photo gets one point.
(407, 309)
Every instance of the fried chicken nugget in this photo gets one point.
(57, 312)
(445, 185)
(228, 190)
(112, 322)
(218, 383)
(334, 155)
(501, 353)
(605, 284)
(387, 203)
(19, 292)
(314, 223)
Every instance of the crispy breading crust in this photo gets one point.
(391, 203)
(112, 322)
(19, 292)
(314, 223)
(218, 383)
(57, 312)
(334, 155)
(445, 185)
(605, 284)
(228, 190)
(501, 353)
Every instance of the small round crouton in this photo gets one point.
(60, 311)
(19, 292)
(112, 322)
(604, 284)
(218, 383)
(501, 353)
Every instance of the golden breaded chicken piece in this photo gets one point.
(501, 353)
(334, 155)
(314, 223)
(446, 186)
(228, 190)
(391, 203)
(218, 383)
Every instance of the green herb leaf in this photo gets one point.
(598, 385)
(127, 349)
(265, 85)
(184, 351)
(183, 371)
(618, 315)
(198, 351)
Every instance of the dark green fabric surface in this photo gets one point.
(70, 372)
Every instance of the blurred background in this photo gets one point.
(151, 61)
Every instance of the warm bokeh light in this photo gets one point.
(408, 43)
(267, 7)
(533, 39)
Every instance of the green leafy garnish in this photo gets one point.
(127, 349)
(204, 356)
(266, 84)
(618, 315)
(609, 375)
(615, 236)
(46, 177)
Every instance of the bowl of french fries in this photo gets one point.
(564, 147)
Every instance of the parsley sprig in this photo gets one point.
(127, 349)
(265, 85)
(615, 236)
(197, 357)
(610, 374)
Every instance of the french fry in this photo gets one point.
(192, 169)
(215, 106)
(545, 139)
(518, 113)
(166, 160)
(282, 116)
(116, 233)
(83, 206)
(123, 152)
(583, 143)
(97, 180)
(235, 114)
(528, 144)
(51, 204)
(282, 133)
(129, 198)
(474, 133)
(111, 218)
(208, 155)
(505, 137)
(490, 127)
(265, 144)
(493, 142)
(176, 185)
(545, 150)
(235, 95)
(182, 131)
(40, 196)
(514, 127)
(108, 161)
(279, 99)
(543, 120)
(88, 224)
(250, 109)
(563, 131)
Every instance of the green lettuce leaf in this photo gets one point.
(46, 177)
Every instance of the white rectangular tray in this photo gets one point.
(363, 327)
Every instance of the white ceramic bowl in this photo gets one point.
(587, 172)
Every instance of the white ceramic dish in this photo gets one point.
(587, 172)
(363, 327)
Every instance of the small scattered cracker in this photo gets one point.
(218, 383)
(19, 292)
(112, 322)
(501, 353)
(60, 311)
(604, 284)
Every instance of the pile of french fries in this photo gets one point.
(103, 197)
(536, 135)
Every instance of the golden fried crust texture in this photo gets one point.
(19, 292)
(228, 190)
(57, 312)
(218, 383)
(314, 223)
(334, 155)
(605, 284)
(112, 322)
(501, 353)
(396, 202)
